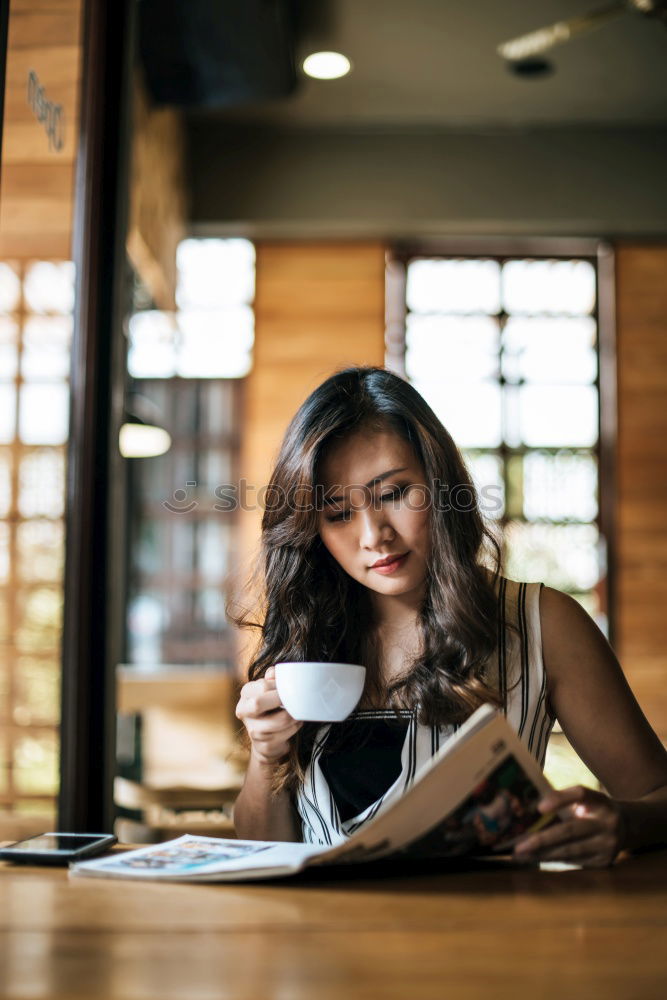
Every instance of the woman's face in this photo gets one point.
(376, 505)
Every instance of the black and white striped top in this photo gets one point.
(345, 783)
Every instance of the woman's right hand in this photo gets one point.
(268, 724)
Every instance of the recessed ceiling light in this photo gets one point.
(326, 65)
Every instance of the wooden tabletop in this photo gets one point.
(427, 932)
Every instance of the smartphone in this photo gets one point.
(57, 848)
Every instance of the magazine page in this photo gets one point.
(477, 795)
(193, 859)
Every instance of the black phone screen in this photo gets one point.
(56, 842)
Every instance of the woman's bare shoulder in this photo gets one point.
(559, 610)
(572, 641)
(593, 701)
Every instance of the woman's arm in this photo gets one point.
(599, 715)
(261, 814)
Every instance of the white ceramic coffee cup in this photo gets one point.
(319, 692)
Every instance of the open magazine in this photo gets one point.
(475, 796)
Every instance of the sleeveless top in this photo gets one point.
(344, 787)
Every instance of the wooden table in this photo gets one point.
(486, 932)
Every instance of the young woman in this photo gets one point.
(374, 552)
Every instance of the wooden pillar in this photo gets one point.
(318, 307)
(93, 614)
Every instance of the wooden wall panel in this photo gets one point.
(318, 307)
(642, 475)
(37, 182)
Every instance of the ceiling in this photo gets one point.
(433, 64)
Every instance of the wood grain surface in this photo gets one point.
(430, 932)
(319, 306)
(37, 181)
(641, 500)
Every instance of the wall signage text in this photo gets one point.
(48, 114)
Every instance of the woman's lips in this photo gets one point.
(391, 567)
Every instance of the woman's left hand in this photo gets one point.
(590, 833)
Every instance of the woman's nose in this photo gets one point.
(375, 528)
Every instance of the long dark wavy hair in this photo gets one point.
(312, 610)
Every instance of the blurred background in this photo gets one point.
(489, 222)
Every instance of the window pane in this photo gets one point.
(36, 764)
(216, 467)
(451, 348)
(181, 605)
(48, 287)
(213, 546)
(147, 617)
(153, 342)
(44, 413)
(5, 481)
(216, 408)
(182, 533)
(150, 550)
(550, 350)
(185, 407)
(487, 475)
(469, 411)
(465, 286)
(42, 483)
(184, 475)
(37, 690)
(549, 286)
(213, 273)
(46, 347)
(9, 354)
(7, 413)
(211, 608)
(40, 617)
(10, 289)
(40, 550)
(153, 475)
(552, 416)
(566, 557)
(215, 344)
(560, 487)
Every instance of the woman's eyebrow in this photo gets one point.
(371, 482)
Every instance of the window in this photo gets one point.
(185, 374)
(211, 333)
(505, 350)
(36, 303)
(181, 528)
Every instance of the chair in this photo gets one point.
(191, 766)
